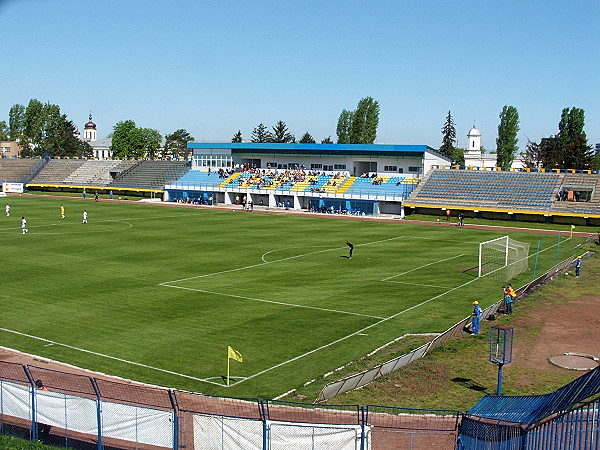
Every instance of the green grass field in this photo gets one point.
(156, 293)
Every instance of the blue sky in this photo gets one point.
(216, 67)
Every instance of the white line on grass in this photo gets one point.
(272, 301)
(419, 284)
(169, 283)
(83, 230)
(361, 331)
(49, 342)
(424, 265)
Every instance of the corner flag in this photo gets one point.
(234, 354)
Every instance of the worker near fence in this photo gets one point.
(476, 317)
(578, 266)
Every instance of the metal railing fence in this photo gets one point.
(80, 411)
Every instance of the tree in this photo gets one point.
(575, 151)
(533, 155)
(327, 140)
(237, 137)
(151, 140)
(16, 122)
(569, 149)
(261, 134)
(3, 131)
(33, 128)
(506, 143)
(365, 121)
(176, 143)
(63, 142)
(307, 139)
(123, 141)
(131, 141)
(458, 156)
(448, 136)
(281, 134)
(343, 127)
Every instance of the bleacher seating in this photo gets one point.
(395, 186)
(19, 170)
(93, 172)
(57, 170)
(196, 179)
(151, 174)
(471, 188)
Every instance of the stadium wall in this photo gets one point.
(78, 411)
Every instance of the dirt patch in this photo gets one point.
(562, 328)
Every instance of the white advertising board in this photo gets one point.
(16, 188)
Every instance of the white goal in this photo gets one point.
(503, 258)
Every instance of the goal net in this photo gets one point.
(503, 258)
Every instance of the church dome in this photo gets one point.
(90, 124)
(474, 132)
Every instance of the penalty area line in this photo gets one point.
(293, 305)
(114, 358)
(424, 265)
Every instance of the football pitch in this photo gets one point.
(157, 294)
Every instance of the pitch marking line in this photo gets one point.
(49, 342)
(273, 301)
(419, 284)
(420, 267)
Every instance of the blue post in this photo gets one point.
(98, 413)
(363, 423)
(263, 416)
(499, 390)
(33, 412)
(175, 420)
(537, 254)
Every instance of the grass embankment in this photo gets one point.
(13, 443)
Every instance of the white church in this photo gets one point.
(475, 158)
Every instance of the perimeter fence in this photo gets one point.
(363, 378)
(78, 411)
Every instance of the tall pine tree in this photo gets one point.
(448, 136)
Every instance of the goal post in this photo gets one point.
(504, 257)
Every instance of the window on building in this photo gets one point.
(390, 168)
(401, 170)
(339, 166)
(413, 169)
(271, 165)
(316, 166)
(326, 167)
(6, 149)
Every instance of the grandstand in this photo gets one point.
(19, 170)
(527, 193)
(57, 171)
(150, 174)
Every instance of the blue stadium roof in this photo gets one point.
(315, 148)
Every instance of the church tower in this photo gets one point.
(89, 131)
(474, 138)
(473, 151)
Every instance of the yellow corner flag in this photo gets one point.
(234, 354)
(572, 227)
